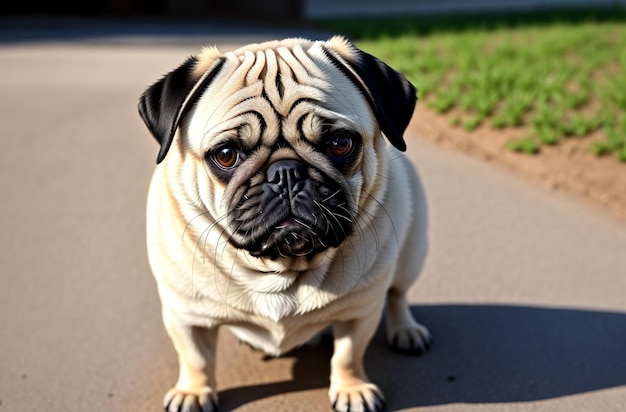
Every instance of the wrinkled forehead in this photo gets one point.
(281, 82)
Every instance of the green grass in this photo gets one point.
(559, 76)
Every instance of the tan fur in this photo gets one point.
(275, 305)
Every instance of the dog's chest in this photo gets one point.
(275, 338)
(284, 321)
(275, 322)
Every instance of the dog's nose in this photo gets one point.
(286, 174)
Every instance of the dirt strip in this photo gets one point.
(568, 166)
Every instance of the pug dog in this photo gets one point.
(280, 205)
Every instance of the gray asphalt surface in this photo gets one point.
(524, 290)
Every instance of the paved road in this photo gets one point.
(524, 290)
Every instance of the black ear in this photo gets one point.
(164, 104)
(390, 94)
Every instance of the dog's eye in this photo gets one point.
(226, 157)
(341, 145)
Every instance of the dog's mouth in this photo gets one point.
(294, 236)
(291, 237)
(291, 215)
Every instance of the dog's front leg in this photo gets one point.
(196, 389)
(350, 388)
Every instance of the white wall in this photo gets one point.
(352, 8)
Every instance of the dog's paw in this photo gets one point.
(362, 397)
(411, 340)
(177, 400)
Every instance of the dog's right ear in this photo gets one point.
(163, 105)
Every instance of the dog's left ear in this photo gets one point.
(163, 105)
(390, 94)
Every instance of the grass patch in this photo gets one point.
(558, 75)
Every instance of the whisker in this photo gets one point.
(331, 196)
(205, 232)
(191, 220)
(343, 217)
(393, 227)
(370, 223)
(325, 213)
(215, 260)
(307, 226)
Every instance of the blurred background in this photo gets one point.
(524, 285)
(290, 11)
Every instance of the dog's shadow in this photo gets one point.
(481, 354)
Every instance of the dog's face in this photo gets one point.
(280, 142)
